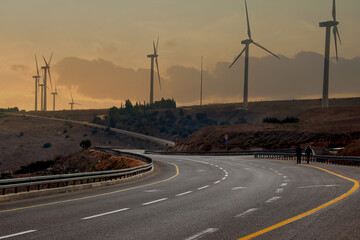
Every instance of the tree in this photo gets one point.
(85, 144)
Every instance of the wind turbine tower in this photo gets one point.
(72, 103)
(246, 49)
(154, 56)
(46, 70)
(201, 81)
(37, 77)
(328, 25)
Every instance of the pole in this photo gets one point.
(201, 81)
(152, 80)
(36, 87)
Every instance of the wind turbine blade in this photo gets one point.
(50, 79)
(238, 57)
(45, 61)
(50, 57)
(247, 18)
(157, 67)
(334, 11)
(154, 47)
(157, 44)
(37, 68)
(265, 49)
(337, 33)
(335, 40)
(71, 96)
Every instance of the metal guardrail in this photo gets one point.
(62, 180)
(243, 152)
(339, 160)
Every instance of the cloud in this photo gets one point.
(269, 78)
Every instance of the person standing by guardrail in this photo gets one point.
(308, 152)
(298, 154)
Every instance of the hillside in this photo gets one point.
(25, 140)
(333, 127)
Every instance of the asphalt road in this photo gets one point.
(200, 197)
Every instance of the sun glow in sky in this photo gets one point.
(120, 33)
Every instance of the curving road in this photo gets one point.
(200, 197)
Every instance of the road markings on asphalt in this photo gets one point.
(184, 193)
(201, 234)
(285, 177)
(99, 195)
(107, 213)
(217, 182)
(223, 178)
(152, 190)
(200, 188)
(300, 216)
(237, 188)
(315, 186)
(273, 199)
(271, 169)
(155, 201)
(284, 184)
(17, 234)
(247, 212)
(279, 190)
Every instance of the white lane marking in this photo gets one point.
(221, 168)
(280, 174)
(223, 178)
(246, 212)
(285, 177)
(107, 213)
(289, 167)
(283, 184)
(155, 201)
(152, 190)
(200, 188)
(200, 170)
(217, 182)
(17, 234)
(247, 168)
(200, 234)
(276, 171)
(271, 169)
(216, 166)
(184, 193)
(236, 188)
(279, 190)
(286, 180)
(314, 186)
(273, 199)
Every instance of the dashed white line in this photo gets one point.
(155, 201)
(279, 190)
(223, 178)
(200, 234)
(285, 177)
(217, 182)
(271, 169)
(273, 199)
(152, 190)
(284, 184)
(17, 234)
(236, 188)
(184, 193)
(247, 212)
(107, 213)
(200, 188)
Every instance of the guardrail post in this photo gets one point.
(3, 191)
(28, 188)
(16, 189)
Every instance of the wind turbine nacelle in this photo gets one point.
(328, 23)
(247, 41)
(152, 55)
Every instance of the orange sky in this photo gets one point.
(121, 34)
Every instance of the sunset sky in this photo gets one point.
(100, 49)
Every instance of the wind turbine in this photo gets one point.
(154, 56)
(72, 103)
(46, 69)
(37, 77)
(246, 49)
(201, 81)
(328, 25)
(53, 93)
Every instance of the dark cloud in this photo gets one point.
(269, 78)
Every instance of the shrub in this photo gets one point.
(85, 144)
(47, 145)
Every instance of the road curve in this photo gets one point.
(200, 197)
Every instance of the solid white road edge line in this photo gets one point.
(207, 231)
(314, 186)
(200, 188)
(236, 188)
(17, 234)
(184, 193)
(107, 213)
(246, 212)
(155, 201)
